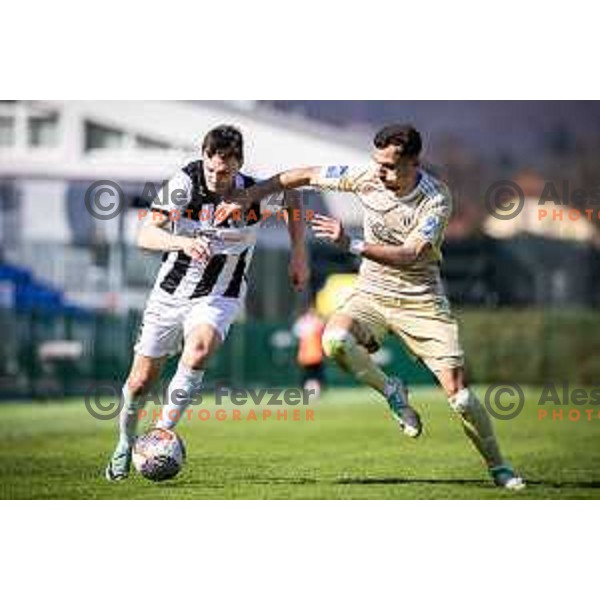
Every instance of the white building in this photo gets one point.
(51, 151)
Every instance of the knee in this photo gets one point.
(139, 382)
(196, 356)
(453, 381)
(454, 388)
(462, 400)
(336, 341)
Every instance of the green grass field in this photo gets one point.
(350, 450)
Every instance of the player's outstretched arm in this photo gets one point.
(153, 236)
(287, 180)
(332, 230)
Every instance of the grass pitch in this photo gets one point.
(350, 450)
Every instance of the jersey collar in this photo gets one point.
(415, 191)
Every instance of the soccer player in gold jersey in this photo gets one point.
(399, 288)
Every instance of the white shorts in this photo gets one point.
(167, 322)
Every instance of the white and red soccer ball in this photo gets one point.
(159, 454)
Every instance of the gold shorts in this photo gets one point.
(426, 326)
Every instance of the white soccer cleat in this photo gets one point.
(505, 477)
(119, 465)
(407, 417)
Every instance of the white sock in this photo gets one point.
(185, 383)
(128, 418)
(477, 425)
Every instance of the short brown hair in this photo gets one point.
(406, 137)
(226, 141)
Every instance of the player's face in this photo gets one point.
(396, 173)
(220, 172)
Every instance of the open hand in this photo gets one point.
(330, 229)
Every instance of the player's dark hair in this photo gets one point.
(226, 141)
(406, 137)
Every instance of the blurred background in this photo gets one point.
(72, 288)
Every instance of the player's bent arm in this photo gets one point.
(153, 236)
(393, 256)
(331, 229)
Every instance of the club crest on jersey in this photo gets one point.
(386, 235)
(335, 171)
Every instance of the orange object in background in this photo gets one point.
(309, 331)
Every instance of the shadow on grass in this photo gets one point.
(478, 482)
(407, 481)
(590, 485)
(300, 480)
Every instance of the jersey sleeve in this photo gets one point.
(433, 220)
(176, 194)
(341, 178)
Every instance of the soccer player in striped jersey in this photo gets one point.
(201, 284)
(399, 288)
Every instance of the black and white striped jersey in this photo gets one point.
(191, 209)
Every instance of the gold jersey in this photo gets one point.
(392, 219)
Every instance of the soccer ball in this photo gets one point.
(159, 454)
